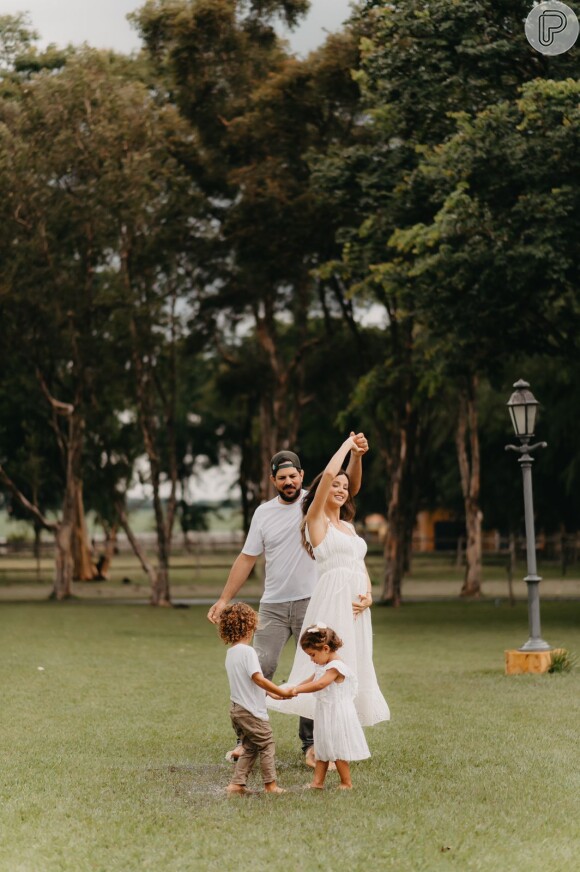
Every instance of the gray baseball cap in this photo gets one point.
(284, 459)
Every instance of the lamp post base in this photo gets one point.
(534, 643)
(526, 662)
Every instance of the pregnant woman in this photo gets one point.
(342, 596)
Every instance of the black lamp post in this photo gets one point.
(523, 406)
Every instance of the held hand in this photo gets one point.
(287, 692)
(214, 613)
(366, 601)
(351, 444)
(361, 446)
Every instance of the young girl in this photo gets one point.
(248, 689)
(338, 734)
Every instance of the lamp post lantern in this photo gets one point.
(523, 406)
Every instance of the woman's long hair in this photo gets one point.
(347, 510)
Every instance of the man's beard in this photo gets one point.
(287, 498)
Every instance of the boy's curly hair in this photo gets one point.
(236, 622)
(319, 635)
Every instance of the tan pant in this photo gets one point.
(257, 739)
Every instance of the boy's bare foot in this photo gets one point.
(273, 788)
(313, 786)
(345, 786)
(237, 790)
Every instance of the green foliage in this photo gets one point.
(16, 38)
(562, 662)
(96, 222)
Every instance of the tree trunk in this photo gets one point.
(70, 442)
(394, 550)
(401, 462)
(158, 577)
(268, 445)
(281, 408)
(394, 553)
(64, 562)
(37, 546)
(160, 594)
(473, 568)
(150, 392)
(469, 468)
(64, 570)
(84, 568)
(105, 560)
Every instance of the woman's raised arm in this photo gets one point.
(315, 515)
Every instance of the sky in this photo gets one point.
(102, 23)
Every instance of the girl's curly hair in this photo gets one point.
(236, 622)
(318, 636)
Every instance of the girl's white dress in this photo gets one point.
(338, 734)
(342, 576)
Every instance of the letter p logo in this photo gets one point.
(552, 27)
(549, 24)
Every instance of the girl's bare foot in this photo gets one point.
(313, 786)
(345, 786)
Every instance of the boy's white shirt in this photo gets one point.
(241, 663)
(275, 530)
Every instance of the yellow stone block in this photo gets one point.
(521, 662)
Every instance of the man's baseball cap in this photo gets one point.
(284, 459)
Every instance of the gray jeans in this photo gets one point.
(279, 621)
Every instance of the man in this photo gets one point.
(290, 573)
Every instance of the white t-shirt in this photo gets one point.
(275, 531)
(241, 663)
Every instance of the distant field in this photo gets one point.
(142, 521)
(202, 574)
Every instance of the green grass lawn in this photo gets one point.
(113, 751)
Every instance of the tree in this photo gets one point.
(421, 62)
(256, 113)
(93, 235)
(505, 222)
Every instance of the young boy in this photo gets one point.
(248, 689)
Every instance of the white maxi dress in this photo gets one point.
(342, 576)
